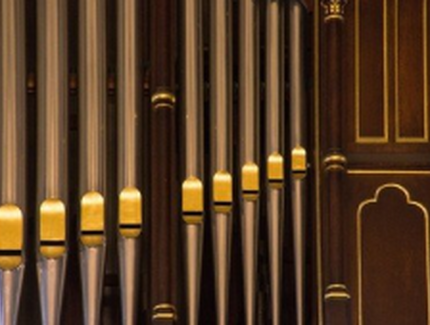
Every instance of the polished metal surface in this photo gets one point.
(129, 139)
(275, 146)
(51, 273)
(249, 82)
(249, 226)
(222, 144)
(222, 224)
(12, 146)
(192, 188)
(92, 101)
(298, 139)
(52, 140)
(129, 262)
(10, 294)
(193, 237)
(92, 270)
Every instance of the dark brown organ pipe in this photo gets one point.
(164, 188)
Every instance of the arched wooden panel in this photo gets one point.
(393, 258)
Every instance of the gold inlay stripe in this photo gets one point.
(399, 137)
(359, 242)
(11, 236)
(358, 137)
(92, 219)
(52, 228)
(130, 212)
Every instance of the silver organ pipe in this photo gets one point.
(298, 148)
(125, 86)
(92, 144)
(249, 147)
(221, 171)
(275, 148)
(52, 156)
(192, 185)
(129, 165)
(13, 158)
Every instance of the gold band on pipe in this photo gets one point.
(52, 228)
(192, 200)
(250, 181)
(337, 292)
(130, 212)
(275, 170)
(92, 219)
(222, 192)
(11, 236)
(299, 162)
(163, 99)
(335, 162)
(166, 312)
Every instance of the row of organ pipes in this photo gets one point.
(52, 87)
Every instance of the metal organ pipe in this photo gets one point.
(275, 148)
(192, 185)
(129, 165)
(222, 144)
(13, 158)
(92, 102)
(52, 155)
(249, 146)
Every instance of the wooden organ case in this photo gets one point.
(214, 162)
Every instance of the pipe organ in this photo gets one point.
(214, 162)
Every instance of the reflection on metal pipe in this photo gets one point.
(52, 155)
(192, 186)
(249, 147)
(130, 199)
(222, 143)
(275, 148)
(12, 162)
(92, 103)
(298, 145)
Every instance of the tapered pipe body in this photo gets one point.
(129, 166)
(13, 157)
(275, 148)
(192, 186)
(92, 103)
(52, 155)
(298, 138)
(221, 143)
(249, 146)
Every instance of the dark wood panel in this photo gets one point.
(387, 241)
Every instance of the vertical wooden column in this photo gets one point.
(336, 296)
(164, 213)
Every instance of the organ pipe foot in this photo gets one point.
(193, 234)
(129, 257)
(92, 274)
(221, 234)
(10, 293)
(275, 219)
(51, 273)
(249, 225)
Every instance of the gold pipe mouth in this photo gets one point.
(92, 232)
(163, 99)
(52, 229)
(165, 312)
(275, 170)
(222, 183)
(11, 237)
(250, 181)
(192, 200)
(130, 213)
